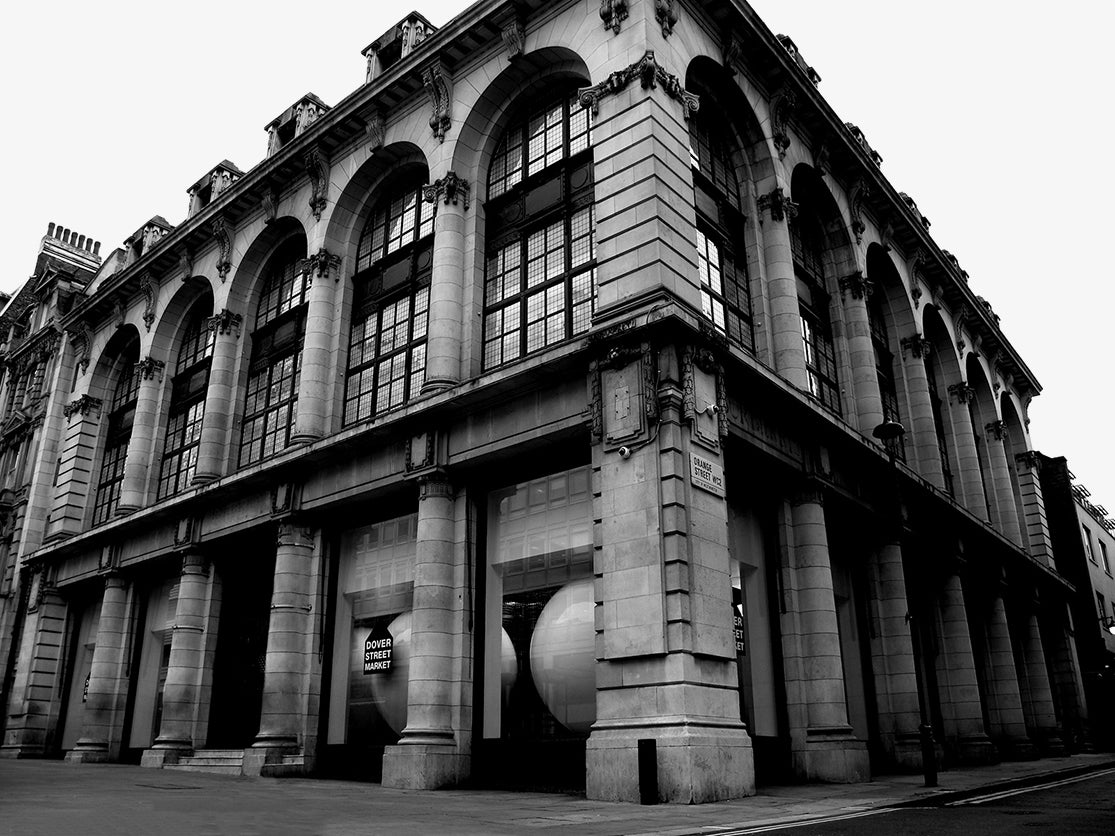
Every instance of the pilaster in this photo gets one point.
(324, 271)
(212, 453)
(923, 428)
(75, 466)
(854, 291)
(451, 198)
(967, 455)
(133, 490)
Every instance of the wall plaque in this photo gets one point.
(706, 474)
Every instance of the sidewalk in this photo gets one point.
(51, 797)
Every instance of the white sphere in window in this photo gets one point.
(563, 656)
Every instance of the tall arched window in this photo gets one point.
(187, 403)
(540, 271)
(280, 326)
(390, 312)
(725, 295)
(884, 365)
(121, 415)
(938, 406)
(807, 242)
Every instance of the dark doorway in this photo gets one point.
(246, 582)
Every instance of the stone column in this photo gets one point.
(893, 662)
(133, 490)
(286, 675)
(317, 371)
(212, 450)
(447, 283)
(822, 744)
(428, 754)
(782, 289)
(181, 690)
(1008, 722)
(1035, 523)
(854, 290)
(79, 441)
(102, 722)
(1041, 716)
(923, 428)
(1004, 489)
(963, 708)
(967, 455)
(1065, 674)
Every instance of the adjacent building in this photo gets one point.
(525, 406)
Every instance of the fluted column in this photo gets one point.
(428, 754)
(893, 663)
(963, 708)
(782, 289)
(923, 428)
(1008, 722)
(450, 195)
(1004, 489)
(324, 271)
(821, 736)
(102, 719)
(212, 451)
(187, 658)
(967, 455)
(133, 489)
(854, 290)
(289, 640)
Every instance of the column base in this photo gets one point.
(297, 439)
(1050, 742)
(906, 752)
(1017, 748)
(125, 510)
(423, 766)
(434, 385)
(976, 750)
(204, 479)
(260, 759)
(696, 763)
(158, 758)
(833, 756)
(88, 752)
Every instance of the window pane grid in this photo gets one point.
(284, 291)
(119, 434)
(820, 362)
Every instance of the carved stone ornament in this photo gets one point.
(285, 498)
(779, 206)
(317, 169)
(119, 312)
(782, 107)
(822, 159)
(149, 368)
(323, 263)
(666, 13)
(915, 294)
(613, 13)
(615, 357)
(81, 341)
(857, 285)
(861, 140)
(435, 485)
(186, 263)
(706, 361)
(291, 533)
(376, 130)
(1029, 459)
(859, 195)
(419, 453)
(448, 188)
(439, 89)
(963, 392)
(514, 34)
(998, 429)
(225, 322)
(82, 406)
(917, 345)
(650, 75)
(732, 50)
(149, 290)
(269, 203)
(223, 236)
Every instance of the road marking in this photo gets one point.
(996, 796)
(767, 828)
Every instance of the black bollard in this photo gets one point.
(648, 772)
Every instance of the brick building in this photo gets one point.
(523, 406)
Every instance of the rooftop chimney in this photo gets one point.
(396, 44)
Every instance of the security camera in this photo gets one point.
(712, 409)
(625, 452)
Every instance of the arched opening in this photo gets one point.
(940, 367)
(121, 374)
(982, 413)
(885, 285)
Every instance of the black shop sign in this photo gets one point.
(378, 649)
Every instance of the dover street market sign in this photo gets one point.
(378, 649)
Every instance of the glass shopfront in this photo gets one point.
(371, 638)
(539, 680)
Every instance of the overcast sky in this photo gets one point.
(995, 116)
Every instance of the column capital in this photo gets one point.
(963, 392)
(323, 264)
(857, 285)
(810, 491)
(194, 561)
(150, 368)
(435, 485)
(82, 406)
(781, 208)
(1030, 459)
(997, 429)
(294, 532)
(449, 188)
(225, 322)
(917, 345)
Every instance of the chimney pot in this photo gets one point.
(96, 248)
(50, 230)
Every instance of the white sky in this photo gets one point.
(995, 116)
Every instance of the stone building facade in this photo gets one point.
(522, 407)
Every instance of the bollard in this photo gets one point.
(648, 771)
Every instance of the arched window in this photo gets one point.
(540, 271)
(884, 365)
(938, 407)
(187, 403)
(280, 326)
(121, 415)
(725, 295)
(807, 243)
(391, 305)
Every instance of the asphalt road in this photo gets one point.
(1080, 806)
